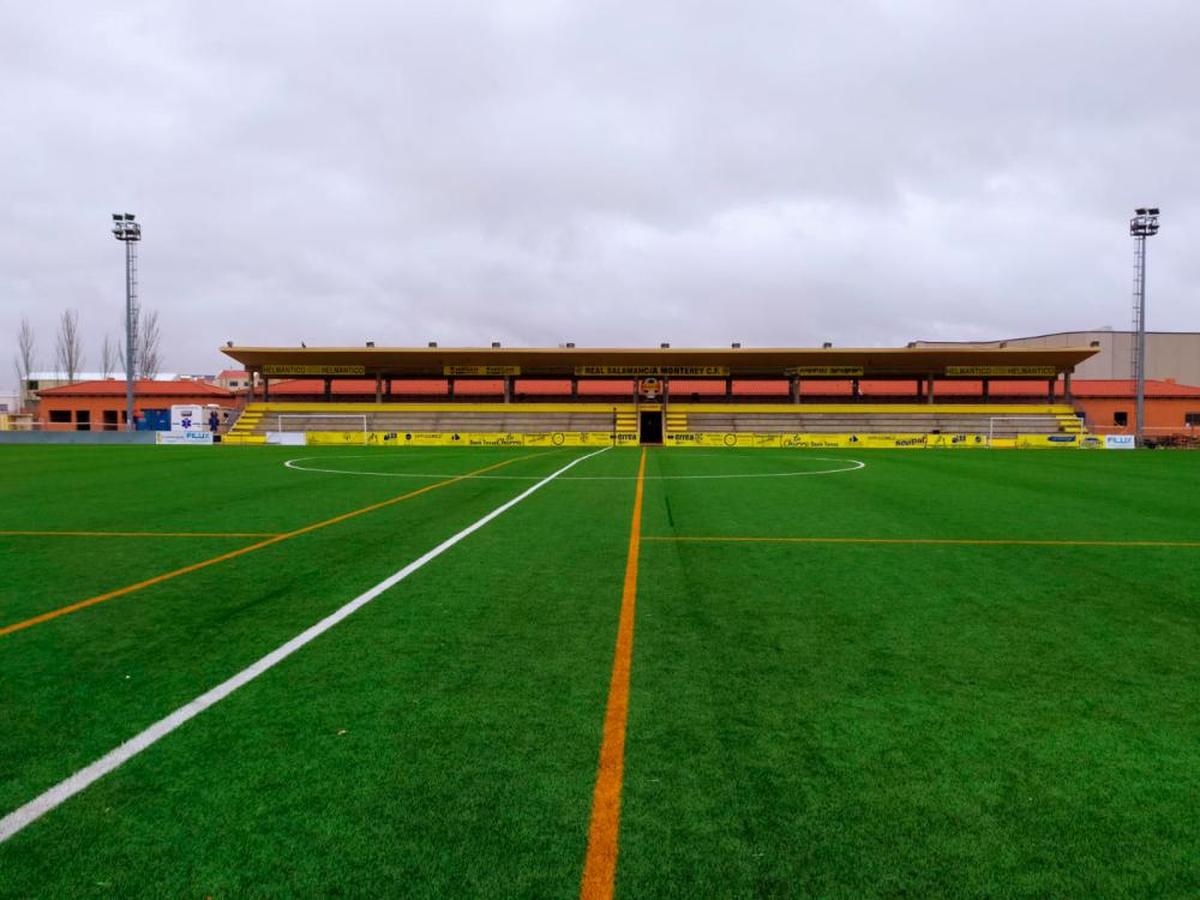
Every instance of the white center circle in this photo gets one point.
(840, 465)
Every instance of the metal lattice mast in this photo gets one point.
(128, 231)
(1139, 300)
(1144, 224)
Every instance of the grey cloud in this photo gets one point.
(862, 172)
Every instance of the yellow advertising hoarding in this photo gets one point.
(867, 441)
(471, 438)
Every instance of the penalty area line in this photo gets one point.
(25, 815)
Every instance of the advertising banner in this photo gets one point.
(1023, 371)
(470, 438)
(815, 371)
(644, 371)
(176, 438)
(305, 369)
(491, 371)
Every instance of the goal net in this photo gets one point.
(293, 427)
(1007, 431)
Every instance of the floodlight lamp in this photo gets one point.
(1141, 211)
(116, 217)
(1153, 210)
(128, 217)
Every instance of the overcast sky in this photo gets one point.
(613, 173)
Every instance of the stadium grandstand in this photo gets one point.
(798, 397)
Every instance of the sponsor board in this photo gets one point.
(979, 371)
(492, 371)
(1120, 442)
(835, 371)
(280, 369)
(176, 438)
(645, 371)
(287, 438)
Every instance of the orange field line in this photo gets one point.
(143, 534)
(600, 868)
(233, 554)
(960, 541)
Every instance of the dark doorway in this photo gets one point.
(110, 420)
(651, 427)
(83, 420)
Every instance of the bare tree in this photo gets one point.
(69, 348)
(23, 362)
(108, 357)
(148, 360)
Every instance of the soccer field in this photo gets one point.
(449, 672)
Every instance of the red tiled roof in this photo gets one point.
(1126, 387)
(234, 373)
(144, 388)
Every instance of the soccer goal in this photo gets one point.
(1015, 427)
(292, 427)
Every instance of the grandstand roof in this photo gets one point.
(911, 362)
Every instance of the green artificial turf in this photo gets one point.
(805, 719)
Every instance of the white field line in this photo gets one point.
(853, 466)
(69, 787)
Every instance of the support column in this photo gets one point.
(574, 389)
(450, 388)
(987, 389)
(854, 392)
(920, 389)
(388, 393)
(1051, 385)
(794, 388)
(729, 388)
(929, 396)
(266, 389)
(1067, 387)
(378, 389)
(508, 388)
(328, 390)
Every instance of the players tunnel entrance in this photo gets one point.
(651, 427)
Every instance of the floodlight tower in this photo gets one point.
(129, 232)
(1144, 224)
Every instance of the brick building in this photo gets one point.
(100, 405)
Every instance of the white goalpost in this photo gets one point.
(292, 428)
(1015, 427)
